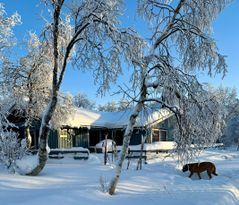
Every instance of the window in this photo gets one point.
(65, 139)
(159, 135)
(155, 135)
(163, 135)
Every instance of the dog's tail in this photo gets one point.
(215, 173)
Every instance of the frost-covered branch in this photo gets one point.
(90, 38)
(182, 46)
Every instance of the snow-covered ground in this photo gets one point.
(68, 181)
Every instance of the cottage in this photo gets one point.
(84, 128)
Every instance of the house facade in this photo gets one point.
(85, 128)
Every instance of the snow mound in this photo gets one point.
(27, 164)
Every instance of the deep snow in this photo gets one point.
(69, 181)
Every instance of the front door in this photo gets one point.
(82, 138)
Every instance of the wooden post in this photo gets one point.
(139, 165)
(105, 151)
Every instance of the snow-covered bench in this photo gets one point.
(77, 152)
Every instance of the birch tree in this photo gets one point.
(7, 23)
(7, 39)
(81, 100)
(230, 108)
(231, 132)
(92, 41)
(28, 81)
(10, 148)
(29, 84)
(114, 106)
(181, 46)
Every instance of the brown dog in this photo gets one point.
(200, 167)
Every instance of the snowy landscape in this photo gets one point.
(161, 181)
(153, 71)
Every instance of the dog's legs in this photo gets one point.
(191, 173)
(199, 175)
(209, 174)
(214, 171)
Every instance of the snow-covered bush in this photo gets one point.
(11, 149)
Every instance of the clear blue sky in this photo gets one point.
(226, 32)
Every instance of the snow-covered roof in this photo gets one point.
(86, 118)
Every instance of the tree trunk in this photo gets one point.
(43, 136)
(127, 135)
(28, 137)
(238, 144)
(105, 150)
(45, 128)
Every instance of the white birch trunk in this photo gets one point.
(43, 138)
(28, 137)
(45, 127)
(127, 135)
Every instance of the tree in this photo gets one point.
(90, 38)
(108, 107)
(6, 29)
(82, 101)
(64, 109)
(230, 110)
(114, 106)
(182, 45)
(10, 148)
(123, 105)
(199, 124)
(28, 81)
(231, 132)
(6, 36)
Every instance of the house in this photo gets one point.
(85, 128)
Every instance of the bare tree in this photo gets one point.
(231, 132)
(6, 37)
(230, 109)
(108, 107)
(182, 45)
(10, 148)
(63, 110)
(92, 41)
(81, 100)
(28, 81)
(114, 106)
(6, 29)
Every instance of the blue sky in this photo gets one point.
(226, 32)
